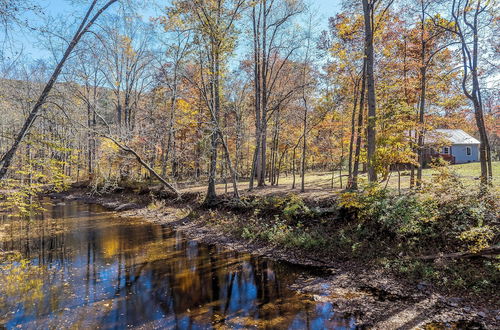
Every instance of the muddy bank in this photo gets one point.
(378, 298)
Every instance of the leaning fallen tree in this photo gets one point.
(123, 146)
(139, 159)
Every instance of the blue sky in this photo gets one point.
(328, 7)
(65, 8)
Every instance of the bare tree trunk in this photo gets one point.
(263, 123)
(293, 164)
(399, 179)
(355, 171)
(257, 93)
(304, 146)
(263, 148)
(372, 119)
(421, 133)
(255, 162)
(211, 197)
(279, 165)
(423, 85)
(470, 60)
(353, 128)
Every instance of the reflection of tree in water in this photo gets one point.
(124, 272)
(216, 287)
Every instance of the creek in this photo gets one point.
(98, 270)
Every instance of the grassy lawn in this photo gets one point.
(319, 184)
(469, 174)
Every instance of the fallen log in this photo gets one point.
(488, 252)
(143, 163)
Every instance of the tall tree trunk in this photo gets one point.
(355, 171)
(304, 146)
(470, 60)
(211, 197)
(90, 139)
(421, 127)
(257, 93)
(370, 80)
(423, 86)
(353, 127)
(264, 92)
(239, 143)
(294, 155)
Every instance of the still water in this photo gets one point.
(100, 271)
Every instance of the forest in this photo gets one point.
(273, 138)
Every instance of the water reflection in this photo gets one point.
(112, 273)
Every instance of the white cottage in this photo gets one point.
(453, 145)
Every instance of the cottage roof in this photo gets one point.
(454, 136)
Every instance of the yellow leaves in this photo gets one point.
(172, 21)
(108, 146)
(477, 238)
(20, 197)
(184, 106)
(187, 113)
(350, 200)
(361, 199)
(110, 246)
(252, 4)
(20, 281)
(126, 45)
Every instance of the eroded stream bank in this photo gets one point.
(116, 269)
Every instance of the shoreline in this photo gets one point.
(376, 297)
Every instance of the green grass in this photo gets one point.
(469, 173)
(470, 170)
(319, 184)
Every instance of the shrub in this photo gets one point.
(446, 216)
(295, 206)
(477, 238)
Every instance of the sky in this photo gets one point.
(327, 7)
(64, 8)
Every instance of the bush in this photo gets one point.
(445, 217)
(277, 231)
(295, 206)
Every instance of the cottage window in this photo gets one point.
(446, 150)
(468, 150)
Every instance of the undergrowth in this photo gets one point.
(376, 225)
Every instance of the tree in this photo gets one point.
(372, 20)
(344, 43)
(170, 75)
(357, 153)
(431, 41)
(271, 52)
(86, 81)
(11, 11)
(368, 14)
(466, 16)
(89, 19)
(214, 23)
(306, 89)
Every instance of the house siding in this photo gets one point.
(459, 151)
